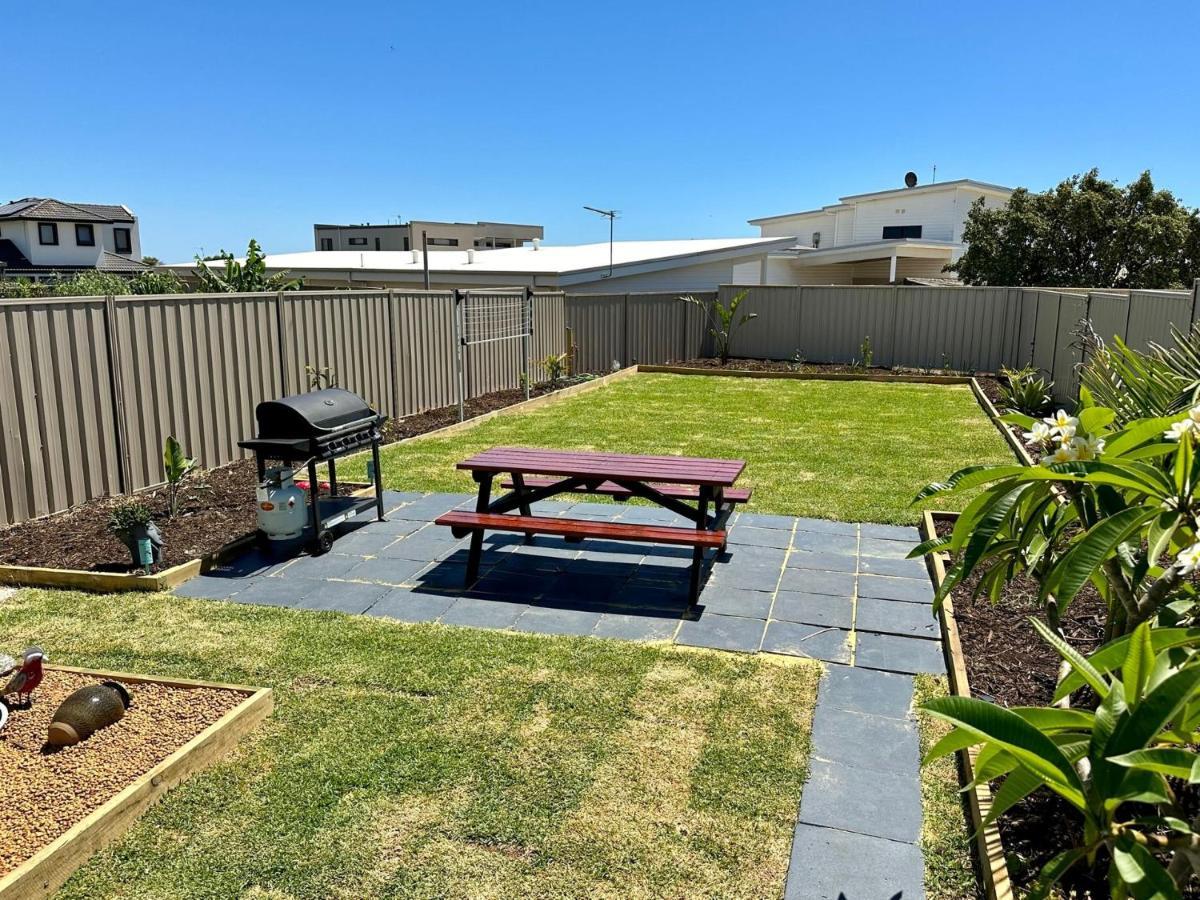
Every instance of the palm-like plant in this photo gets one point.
(723, 320)
(1135, 384)
(1103, 763)
(245, 277)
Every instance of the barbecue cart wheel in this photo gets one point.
(323, 544)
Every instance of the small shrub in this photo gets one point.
(155, 283)
(556, 366)
(176, 467)
(125, 517)
(865, 351)
(797, 361)
(723, 320)
(1025, 390)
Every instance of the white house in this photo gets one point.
(40, 236)
(689, 265)
(882, 237)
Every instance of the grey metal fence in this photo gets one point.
(91, 386)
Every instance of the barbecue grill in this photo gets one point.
(319, 427)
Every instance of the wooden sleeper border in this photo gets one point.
(44, 872)
(988, 847)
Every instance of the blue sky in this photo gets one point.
(220, 121)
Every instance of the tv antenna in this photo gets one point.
(611, 215)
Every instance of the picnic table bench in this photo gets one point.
(687, 486)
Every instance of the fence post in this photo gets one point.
(116, 391)
(281, 338)
(459, 349)
(393, 352)
(526, 334)
(625, 331)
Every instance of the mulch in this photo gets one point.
(216, 506)
(47, 790)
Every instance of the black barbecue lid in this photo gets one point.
(312, 414)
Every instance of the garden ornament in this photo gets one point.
(86, 711)
(23, 679)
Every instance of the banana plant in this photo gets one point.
(1116, 508)
(1114, 765)
(723, 320)
(176, 466)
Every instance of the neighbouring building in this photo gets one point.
(683, 266)
(883, 237)
(40, 237)
(441, 236)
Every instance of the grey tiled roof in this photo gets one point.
(114, 262)
(47, 208)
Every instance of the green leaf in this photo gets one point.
(1112, 655)
(1076, 566)
(1142, 874)
(1053, 718)
(1015, 788)
(1092, 419)
(1139, 662)
(956, 740)
(969, 477)
(1053, 872)
(1078, 663)
(1174, 761)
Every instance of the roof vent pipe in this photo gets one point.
(537, 243)
(416, 256)
(470, 256)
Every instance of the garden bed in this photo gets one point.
(62, 804)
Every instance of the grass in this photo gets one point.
(407, 760)
(854, 451)
(945, 836)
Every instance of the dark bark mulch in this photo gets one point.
(216, 506)
(776, 365)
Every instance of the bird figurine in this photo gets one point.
(25, 677)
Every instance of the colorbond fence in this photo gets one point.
(91, 386)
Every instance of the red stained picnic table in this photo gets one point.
(700, 490)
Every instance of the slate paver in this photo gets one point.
(212, 587)
(429, 507)
(396, 526)
(278, 591)
(555, 620)
(722, 633)
(900, 568)
(384, 570)
(893, 653)
(813, 609)
(343, 596)
(516, 586)
(736, 602)
(890, 532)
(811, 641)
(254, 562)
(430, 543)
(828, 864)
(409, 606)
(888, 587)
(864, 741)
(632, 627)
(477, 612)
(364, 542)
(828, 526)
(882, 804)
(869, 546)
(817, 541)
(765, 520)
(759, 537)
(443, 576)
(896, 617)
(840, 584)
(648, 597)
(867, 691)
(821, 560)
(327, 565)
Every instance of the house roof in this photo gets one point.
(49, 208)
(933, 188)
(115, 262)
(866, 250)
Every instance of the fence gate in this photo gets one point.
(490, 317)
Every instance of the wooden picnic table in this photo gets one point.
(700, 490)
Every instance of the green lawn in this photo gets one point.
(855, 451)
(427, 761)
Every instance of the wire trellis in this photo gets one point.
(486, 318)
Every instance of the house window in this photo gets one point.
(326, 243)
(443, 242)
(47, 233)
(816, 240)
(377, 243)
(406, 243)
(85, 236)
(122, 240)
(897, 232)
(358, 242)
(502, 245)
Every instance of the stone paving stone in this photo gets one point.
(874, 743)
(443, 576)
(722, 633)
(327, 565)
(896, 617)
(764, 520)
(759, 537)
(514, 586)
(735, 602)
(531, 563)
(867, 691)
(253, 562)
(813, 609)
(569, 589)
(546, 546)
(553, 620)
(869, 546)
(891, 532)
(893, 653)
(653, 515)
(749, 571)
(821, 560)
(827, 526)
(363, 542)
(384, 570)
(882, 804)
(900, 568)
(840, 584)
(392, 499)
(887, 587)
(407, 606)
(820, 542)
(343, 596)
(613, 565)
(480, 613)
(662, 598)
(630, 627)
(210, 587)
(278, 591)
(430, 506)
(397, 527)
(829, 864)
(748, 555)
(812, 641)
(428, 544)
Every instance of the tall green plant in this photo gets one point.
(1025, 390)
(176, 466)
(241, 277)
(1112, 765)
(723, 321)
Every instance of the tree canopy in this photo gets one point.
(1086, 232)
(238, 277)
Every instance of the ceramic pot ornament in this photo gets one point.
(87, 711)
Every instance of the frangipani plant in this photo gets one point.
(1117, 508)
(1112, 765)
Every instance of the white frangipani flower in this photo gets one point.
(1038, 433)
(1194, 414)
(1179, 429)
(1062, 424)
(1188, 560)
(1062, 453)
(1088, 447)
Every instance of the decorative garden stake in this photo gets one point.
(86, 711)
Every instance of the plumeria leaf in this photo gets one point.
(1173, 761)
(1139, 662)
(1111, 655)
(1076, 566)
(1142, 874)
(1078, 663)
(1053, 872)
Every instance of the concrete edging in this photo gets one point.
(989, 849)
(45, 871)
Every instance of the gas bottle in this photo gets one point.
(281, 512)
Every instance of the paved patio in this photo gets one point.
(839, 592)
(834, 591)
